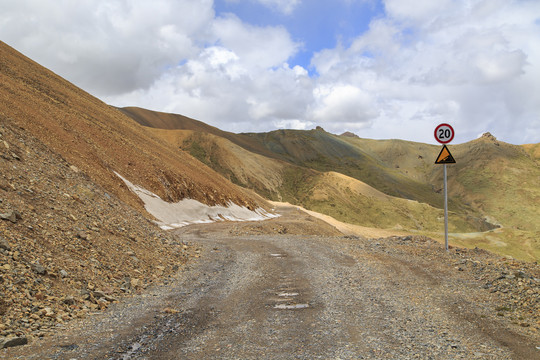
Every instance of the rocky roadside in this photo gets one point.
(398, 297)
(514, 286)
(67, 247)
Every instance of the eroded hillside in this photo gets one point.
(100, 139)
(67, 246)
(73, 237)
(493, 188)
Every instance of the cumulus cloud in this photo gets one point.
(342, 103)
(474, 64)
(107, 47)
(462, 64)
(218, 85)
(286, 7)
(258, 47)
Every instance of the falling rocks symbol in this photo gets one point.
(445, 157)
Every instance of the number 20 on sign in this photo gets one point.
(444, 133)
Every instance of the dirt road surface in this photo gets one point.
(279, 295)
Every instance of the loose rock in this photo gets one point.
(4, 244)
(11, 342)
(11, 215)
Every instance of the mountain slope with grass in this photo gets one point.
(73, 237)
(100, 140)
(338, 175)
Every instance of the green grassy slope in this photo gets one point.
(491, 183)
(331, 193)
(322, 151)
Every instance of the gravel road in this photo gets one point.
(279, 296)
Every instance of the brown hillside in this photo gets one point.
(71, 238)
(100, 139)
(167, 121)
(67, 246)
(534, 151)
(493, 184)
(244, 168)
(331, 193)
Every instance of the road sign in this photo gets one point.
(445, 157)
(444, 133)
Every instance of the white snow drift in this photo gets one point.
(189, 211)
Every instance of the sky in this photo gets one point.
(382, 69)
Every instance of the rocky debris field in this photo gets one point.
(67, 247)
(260, 291)
(513, 286)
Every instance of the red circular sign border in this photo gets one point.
(437, 128)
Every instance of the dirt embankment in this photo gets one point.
(67, 246)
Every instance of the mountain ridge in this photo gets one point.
(73, 237)
(398, 168)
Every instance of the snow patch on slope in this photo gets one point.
(189, 211)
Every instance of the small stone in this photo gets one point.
(102, 295)
(82, 235)
(63, 273)
(11, 342)
(69, 300)
(38, 268)
(11, 215)
(47, 312)
(99, 294)
(170, 311)
(4, 244)
(134, 283)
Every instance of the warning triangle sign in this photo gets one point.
(445, 157)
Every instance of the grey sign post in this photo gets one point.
(444, 133)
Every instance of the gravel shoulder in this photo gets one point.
(265, 290)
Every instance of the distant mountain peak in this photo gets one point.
(488, 136)
(350, 134)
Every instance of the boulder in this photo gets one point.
(13, 341)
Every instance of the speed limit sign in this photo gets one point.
(444, 133)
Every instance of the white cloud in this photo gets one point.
(473, 63)
(107, 47)
(260, 47)
(342, 103)
(218, 85)
(283, 6)
(294, 124)
(418, 10)
(467, 68)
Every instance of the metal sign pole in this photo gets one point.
(445, 210)
(444, 133)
